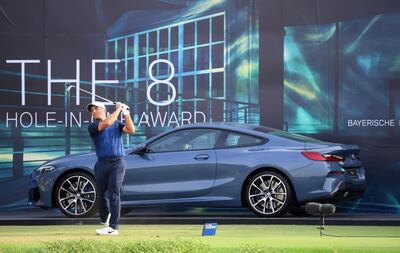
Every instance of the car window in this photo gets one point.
(238, 139)
(190, 139)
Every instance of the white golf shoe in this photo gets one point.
(107, 222)
(107, 231)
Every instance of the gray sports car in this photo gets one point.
(211, 165)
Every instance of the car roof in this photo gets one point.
(233, 126)
(226, 125)
(218, 125)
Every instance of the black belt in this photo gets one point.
(111, 159)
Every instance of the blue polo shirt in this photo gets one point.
(108, 142)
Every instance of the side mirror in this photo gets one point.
(140, 149)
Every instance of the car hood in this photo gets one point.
(71, 160)
(88, 159)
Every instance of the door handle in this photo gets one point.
(201, 157)
(256, 149)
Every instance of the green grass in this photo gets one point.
(187, 238)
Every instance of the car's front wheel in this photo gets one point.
(76, 195)
(268, 194)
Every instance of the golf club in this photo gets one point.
(124, 106)
(88, 92)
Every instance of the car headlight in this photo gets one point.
(45, 168)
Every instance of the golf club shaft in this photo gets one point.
(88, 92)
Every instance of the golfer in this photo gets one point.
(106, 133)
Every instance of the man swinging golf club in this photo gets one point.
(106, 133)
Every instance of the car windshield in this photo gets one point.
(284, 134)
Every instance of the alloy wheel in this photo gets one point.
(76, 195)
(268, 194)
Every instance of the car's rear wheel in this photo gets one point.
(76, 195)
(268, 194)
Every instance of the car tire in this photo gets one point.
(268, 194)
(75, 195)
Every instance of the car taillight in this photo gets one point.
(315, 156)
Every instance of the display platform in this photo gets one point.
(37, 216)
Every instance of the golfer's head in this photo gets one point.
(97, 109)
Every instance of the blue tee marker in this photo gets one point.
(209, 229)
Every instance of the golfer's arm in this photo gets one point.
(109, 120)
(129, 127)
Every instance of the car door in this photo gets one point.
(181, 164)
(237, 154)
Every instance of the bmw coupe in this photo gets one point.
(211, 165)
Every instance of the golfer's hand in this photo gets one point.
(125, 110)
(118, 105)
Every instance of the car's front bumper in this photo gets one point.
(40, 189)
